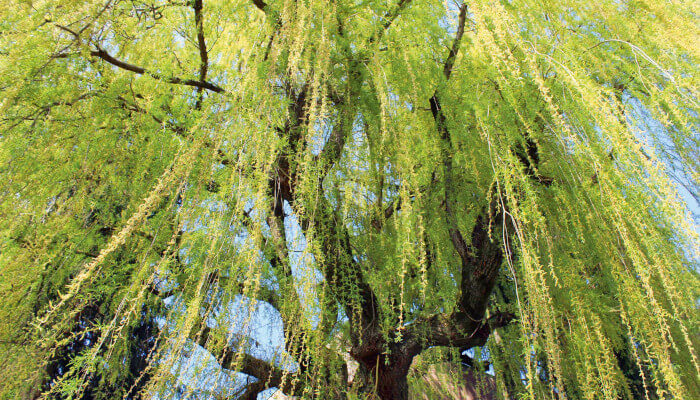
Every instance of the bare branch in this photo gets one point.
(449, 63)
(104, 55)
(202, 45)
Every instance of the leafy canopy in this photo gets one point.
(385, 183)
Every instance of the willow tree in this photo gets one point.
(395, 183)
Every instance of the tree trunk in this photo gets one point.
(385, 375)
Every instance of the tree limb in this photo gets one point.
(441, 124)
(230, 358)
(333, 148)
(104, 55)
(479, 267)
(252, 390)
(378, 220)
(459, 330)
(389, 19)
(202, 45)
(451, 58)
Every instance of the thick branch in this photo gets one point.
(252, 390)
(479, 267)
(459, 330)
(441, 124)
(342, 273)
(202, 45)
(229, 358)
(100, 53)
(452, 57)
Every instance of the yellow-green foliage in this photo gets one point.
(116, 184)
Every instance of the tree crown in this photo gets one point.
(385, 184)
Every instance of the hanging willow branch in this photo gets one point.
(348, 200)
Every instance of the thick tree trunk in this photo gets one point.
(384, 375)
(384, 381)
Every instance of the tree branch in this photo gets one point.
(229, 358)
(451, 58)
(333, 148)
(264, 294)
(202, 45)
(378, 220)
(479, 267)
(343, 274)
(389, 19)
(296, 342)
(459, 330)
(252, 390)
(441, 124)
(104, 55)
